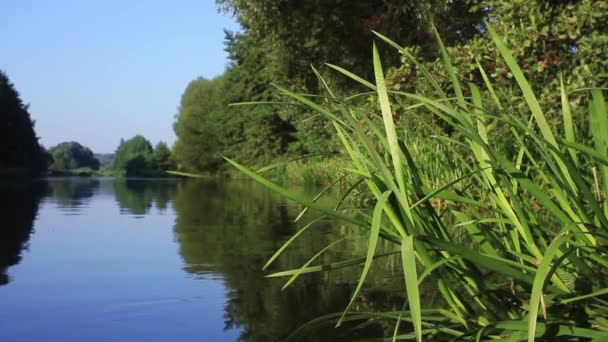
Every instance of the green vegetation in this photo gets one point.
(280, 41)
(105, 160)
(513, 242)
(485, 165)
(71, 155)
(135, 157)
(20, 152)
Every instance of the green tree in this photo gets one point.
(281, 39)
(162, 156)
(72, 155)
(197, 147)
(295, 34)
(133, 157)
(19, 147)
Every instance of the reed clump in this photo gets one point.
(513, 239)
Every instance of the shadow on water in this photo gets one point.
(232, 229)
(18, 208)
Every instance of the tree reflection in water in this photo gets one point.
(18, 208)
(232, 229)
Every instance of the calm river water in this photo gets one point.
(167, 260)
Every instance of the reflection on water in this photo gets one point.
(137, 196)
(127, 232)
(73, 194)
(19, 203)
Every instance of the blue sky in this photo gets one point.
(97, 71)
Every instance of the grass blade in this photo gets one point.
(371, 249)
(408, 255)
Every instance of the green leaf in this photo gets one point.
(408, 255)
(371, 249)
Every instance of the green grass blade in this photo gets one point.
(371, 249)
(567, 117)
(540, 278)
(525, 87)
(427, 74)
(391, 133)
(352, 76)
(316, 198)
(292, 195)
(291, 239)
(408, 256)
(327, 267)
(589, 295)
(450, 70)
(304, 267)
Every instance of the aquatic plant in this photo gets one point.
(513, 242)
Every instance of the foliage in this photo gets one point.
(197, 144)
(293, 35)
(162, 156)
(134, 157)
(72, 155)
(281, 39)
(19, 147)
(105, 160)
(550, 39)
(208, 128)
(513, 243)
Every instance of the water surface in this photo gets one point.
(99, 259)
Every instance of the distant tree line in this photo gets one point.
(280, 41)
(22, 155)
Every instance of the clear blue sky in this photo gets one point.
(97, 71)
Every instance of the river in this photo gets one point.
(102, 259)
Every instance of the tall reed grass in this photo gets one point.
(514, 243)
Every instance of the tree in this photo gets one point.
(162, 156)
(197, 146)
(296, 34)
(133, 157)
(19, 147)
(72, 155)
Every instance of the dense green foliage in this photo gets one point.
(20, 151)
(549, 39)
(512, 242)
(136, 157)
(208, 128)
(493, 193)
(280, 41)
(72, 155)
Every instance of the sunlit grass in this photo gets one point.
(513, 243)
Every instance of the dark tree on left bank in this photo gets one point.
(20, 151)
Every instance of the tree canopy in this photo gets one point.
(19, 147)
(280, 40)
(72, 155)
(136, 157)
